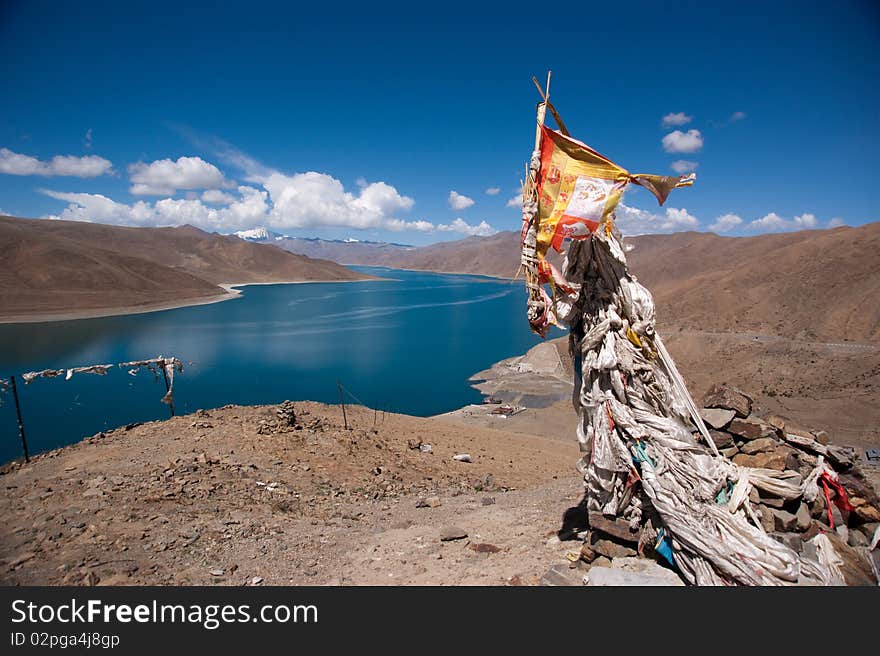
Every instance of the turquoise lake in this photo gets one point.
(408, 344)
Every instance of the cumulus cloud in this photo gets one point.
(89, 166)
(217, 197)
(635, 221)
(676, 118)
(277, 200)
(836, 222)
(493, 191)
(772, 222)
(462, 226)
(516, 201)
(250, 209)
(459, 202)
(683, 142)
(684, 166)
(164, 177)
(726, 223)
(310, 200)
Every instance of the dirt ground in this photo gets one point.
(234, 496)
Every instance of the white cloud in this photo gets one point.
(634, 221)
(319, 200)
(516, 201)
(772, 222)
(684, 166)
(836, 222)
(302, 200)
(676, 118)
(89, 166)
(493, 191)
(459, 202)
(164, 177)
(217, 197)
(726, 223)
(249, 210)
(683, 142)
(737, 116)
(87, 139)
(462, 226)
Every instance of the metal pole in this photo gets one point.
(167, 389)
(342, 402)
(27, 457)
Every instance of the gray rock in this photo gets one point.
(729, 398)
(462, 457)
(791, 540)
(803, 517)
(448, 533)
(750, 428)
(723, 439)
(562, 575)
(717, 417)
(857, 539)
(783, 520)
(632, 572)
(429, 502)
(765, 514)
(609, 548)
(760, 445)
(617, 527)
(729, 452)
(842, 457)
(821, 437)
(773, 502)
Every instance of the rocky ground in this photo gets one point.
(287, 495)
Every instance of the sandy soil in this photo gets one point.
(208, 499)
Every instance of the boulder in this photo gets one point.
(729, 398)
(770, 460)
(562, 575)
(616, 527)
(723, 440)
(632, 572)
(783, 520)
(803, 517)
(821, 437)
(609, 548)
(842, 457)
(717, 417)
(759, 445)
(765, 514)
(448, 533)
(791, 540)
(751, 429)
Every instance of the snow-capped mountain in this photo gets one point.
(258, 234)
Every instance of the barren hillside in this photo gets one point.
(53, 267)
(817, 284)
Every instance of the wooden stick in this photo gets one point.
(24, 445)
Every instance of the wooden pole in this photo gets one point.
(24, 446)
(168, 389)
(342, 403)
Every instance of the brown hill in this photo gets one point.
(66, 267)
(817, 284)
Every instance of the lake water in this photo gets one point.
(407, 345)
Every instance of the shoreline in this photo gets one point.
(231, 291)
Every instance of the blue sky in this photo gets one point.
(359, 121)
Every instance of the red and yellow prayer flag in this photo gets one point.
(578, 189)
